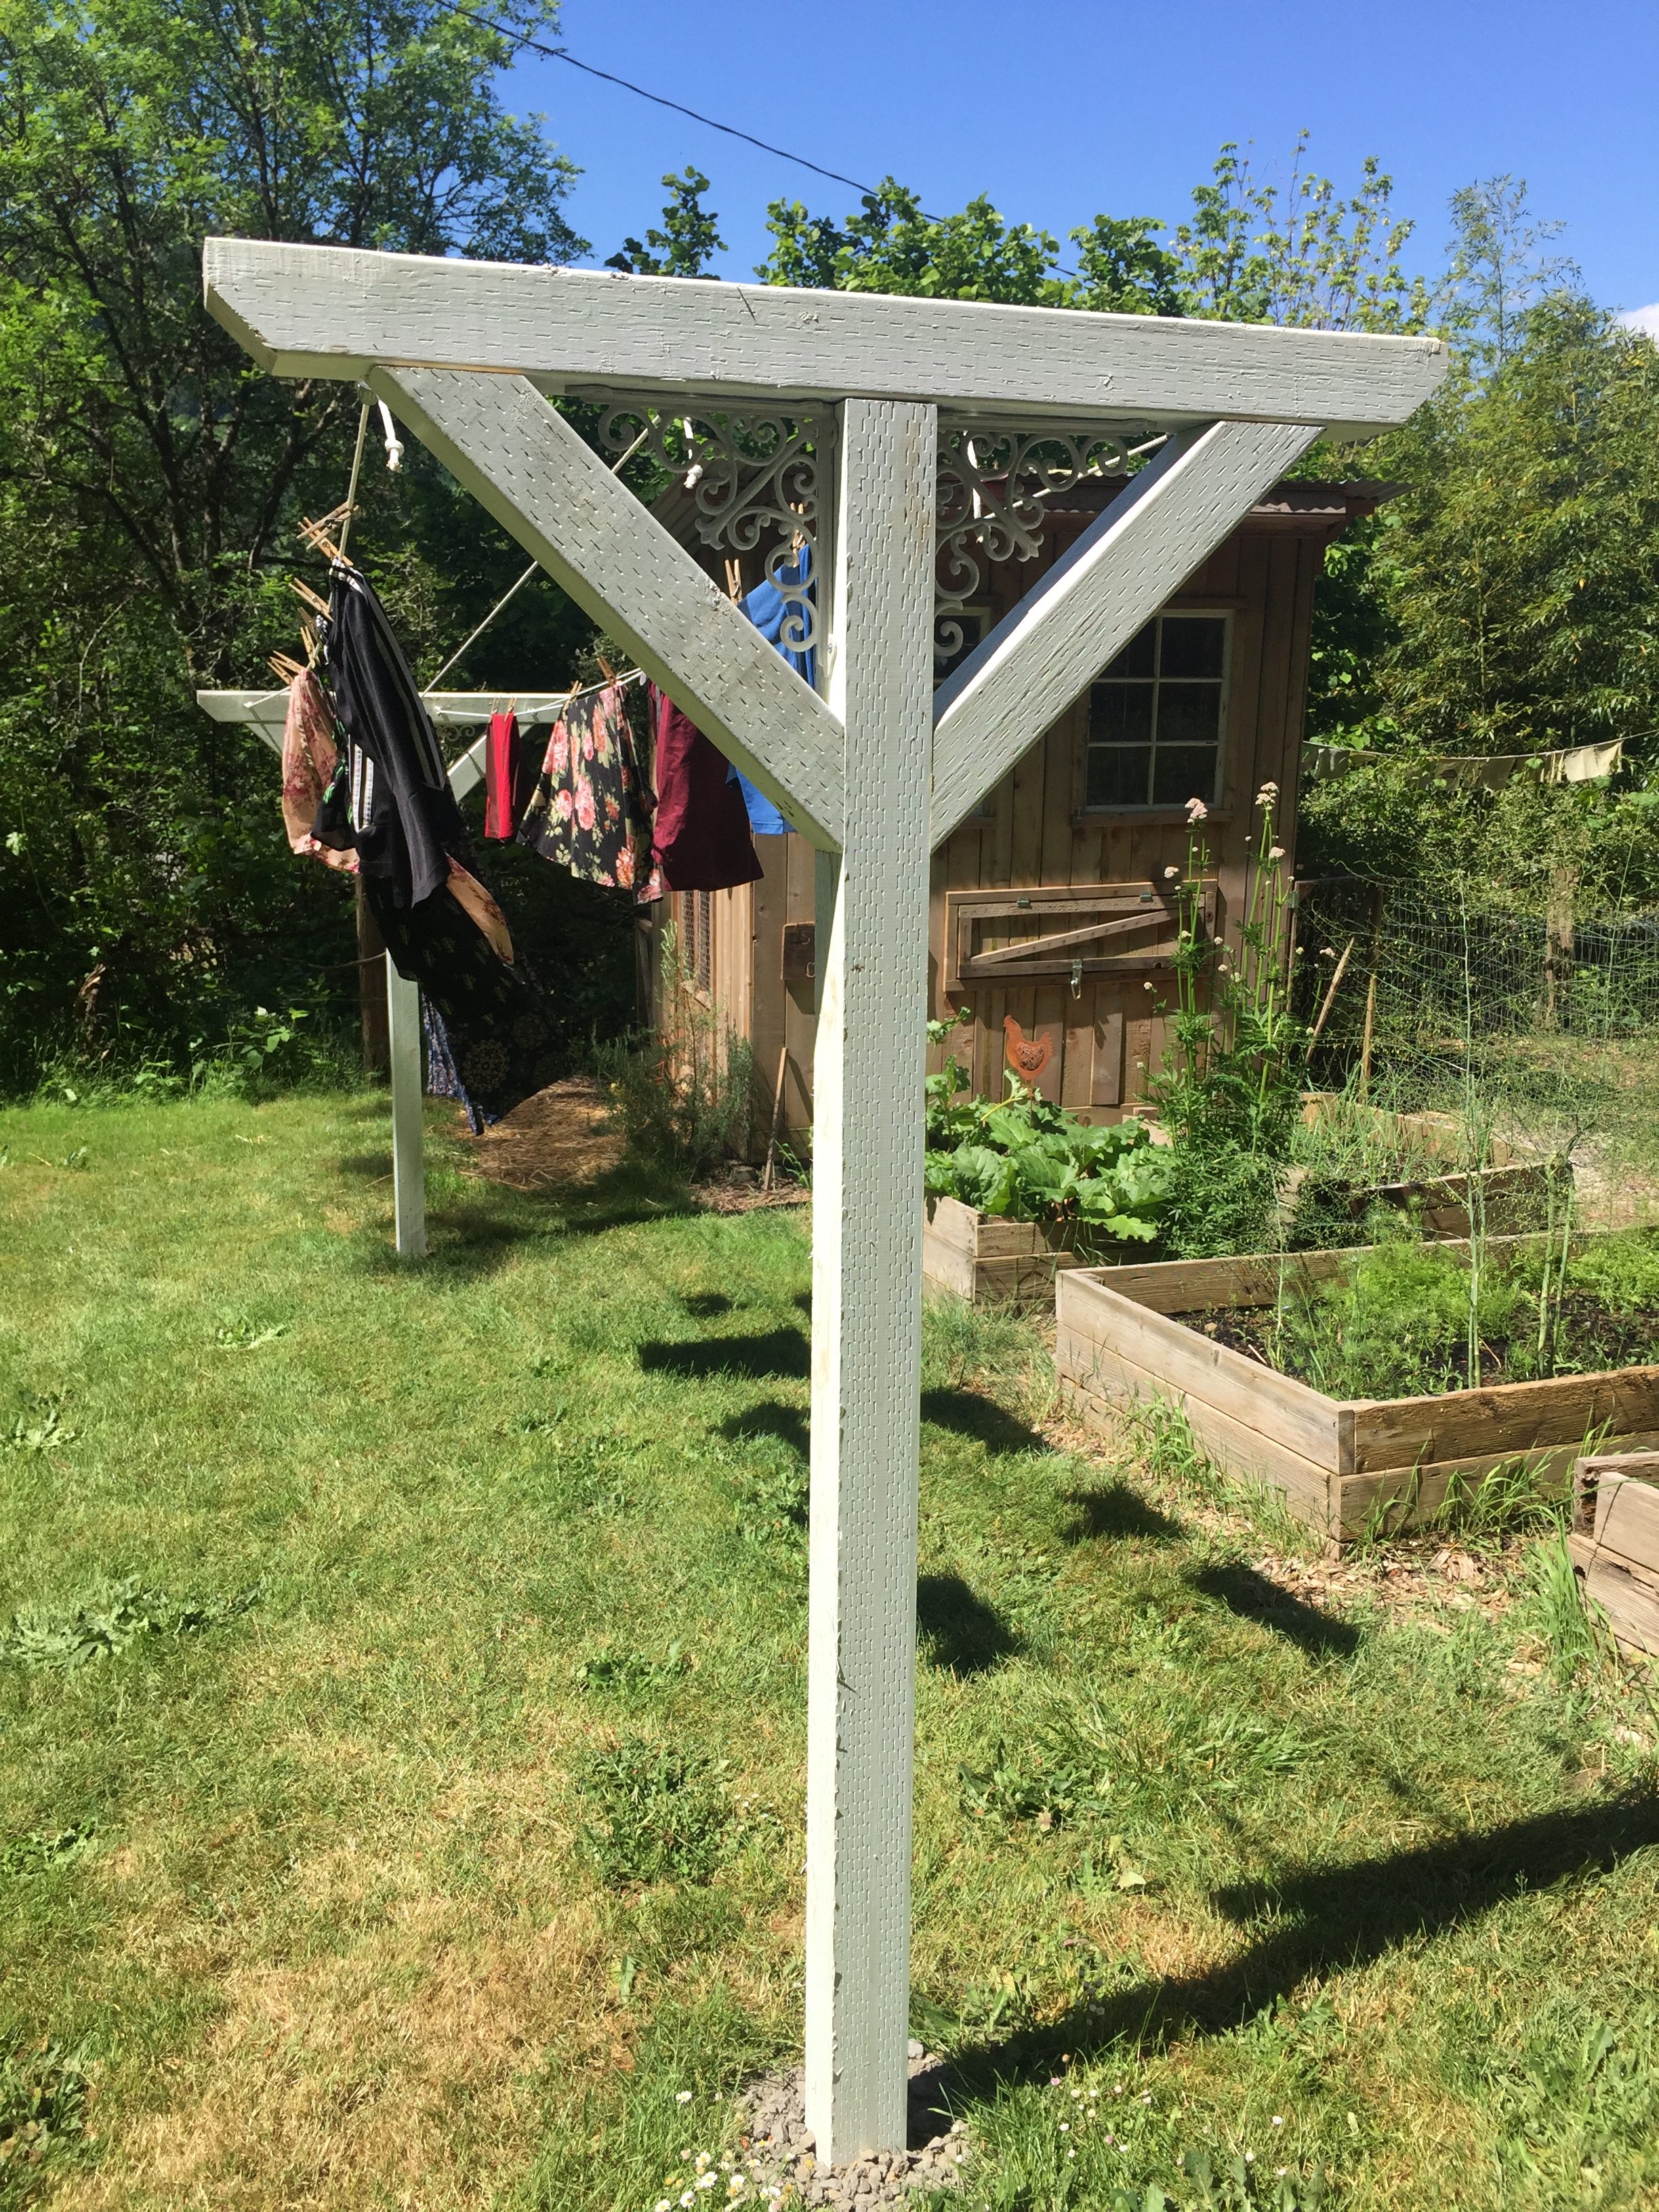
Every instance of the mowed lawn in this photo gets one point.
(437, 1824)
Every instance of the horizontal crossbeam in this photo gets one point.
(523, 461)
(1162, 526)
(335, 310)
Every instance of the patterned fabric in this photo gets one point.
(590, 809)
(505, 1042)
(310, 758)
(441, 1080)
(391, 801)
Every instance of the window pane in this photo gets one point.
(1117, 776)
(1183, 772)
(1188, 714)
(1136, 657)
(1192, 645)
(1120, 715)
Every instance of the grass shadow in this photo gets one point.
(779, 1354)
(1328, 1920)
(1116, 1509)
(958, 1631)
(706, 1305)
(787, 1424)
(1254, 1597)
(966, 1414)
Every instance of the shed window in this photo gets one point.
(1156, 716)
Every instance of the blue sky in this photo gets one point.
(1058, 110)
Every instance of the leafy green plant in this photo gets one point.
(659, 1812)
(43, 2112)
(107, 1619)
(626, 1672)
(41, 1429)
(1025, 1158)
(1229, 1091)
(45, 1850)
(684, 1097)
(1573, 1626)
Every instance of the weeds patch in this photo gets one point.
(110, 1618)
(44, 2091)
(657, 1813)
(627, 1673)
(47, 1850)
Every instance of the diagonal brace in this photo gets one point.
(523, 461)
(1045, 653)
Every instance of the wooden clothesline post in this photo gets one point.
(875, 775)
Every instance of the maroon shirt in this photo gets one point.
(702, 839)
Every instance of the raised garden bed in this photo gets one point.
(984, 1256)
(1615, 1541)
(1135, 1333)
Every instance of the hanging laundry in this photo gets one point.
(590, 809)
(702, 841)
(508, 776)
(441, 1080)
(780, 618)
(390, 800)
(310, 758)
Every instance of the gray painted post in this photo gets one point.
(866, 1292)
(403, 1005)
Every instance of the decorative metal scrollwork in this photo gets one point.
(753, 477)
(992, 482)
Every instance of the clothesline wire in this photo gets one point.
(657, 100)
(616, 467)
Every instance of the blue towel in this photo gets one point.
(766, 607)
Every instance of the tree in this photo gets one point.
(149, 473)
(688, 240)
(1495, 269)
(1253, 252)
(891, 245)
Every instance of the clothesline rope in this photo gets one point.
(616, 468)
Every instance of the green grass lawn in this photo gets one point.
(427, 1818)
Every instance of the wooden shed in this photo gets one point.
(1207, 702)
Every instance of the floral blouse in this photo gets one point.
(591, 810)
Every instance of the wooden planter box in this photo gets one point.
(1615, 1541)
(980, 1255)
(1342, 1465)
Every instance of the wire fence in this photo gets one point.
(1424, 976)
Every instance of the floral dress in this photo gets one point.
(591, 810)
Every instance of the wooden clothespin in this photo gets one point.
(302, 590)
(605, 668)
(285, 666)
(315, 535)
(734, 581)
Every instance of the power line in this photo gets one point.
(558, 54)
(657, 100)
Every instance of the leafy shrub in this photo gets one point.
(1021, 1158)
(112, 1616)
(682, 1110)
(659, 1813)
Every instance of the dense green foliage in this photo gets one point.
(150, 475)
(1021, 1158)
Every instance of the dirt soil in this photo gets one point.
(561, 1136)
(564, 1138)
